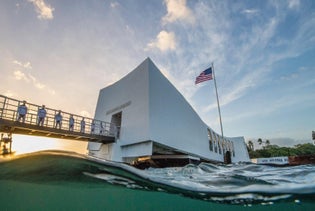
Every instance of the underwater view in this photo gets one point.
(62, 180)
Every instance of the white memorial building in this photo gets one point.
(158, 127)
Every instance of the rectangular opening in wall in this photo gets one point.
(210, 140)
(116, 120)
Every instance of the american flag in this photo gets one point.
(204, 76)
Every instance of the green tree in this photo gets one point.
(250, 145)
(305, 149)
(267, 142)
(276, 151)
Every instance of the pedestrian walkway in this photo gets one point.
(13, 121)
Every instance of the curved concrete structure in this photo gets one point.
(156, 121)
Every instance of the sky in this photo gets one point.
(61, 53)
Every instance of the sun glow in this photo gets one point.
(25, 144)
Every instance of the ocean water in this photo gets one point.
(60, 180)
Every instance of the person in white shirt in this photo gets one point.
(41, 115)
(58, 119)
(22, 110)
(102, 128)
(93, 127)
(71, 122)
(82, 125)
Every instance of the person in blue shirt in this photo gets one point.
(93, 126)
(22, 110)
(71, 123)
(41, 115)
(58, 119)
(82, 125)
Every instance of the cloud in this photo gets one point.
(45, 11)
(237, 92)
(281, 103)
(36, 83)
(26, 65)
(85, 114)
(244, 51)
(177, 10)
(10, 93)
(294, 4)
(246, 56)
(19, 75)
(164, 41)
(114, 4)
(250, 11)
(27, 77)
(289, 77)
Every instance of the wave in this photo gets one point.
(241, 183)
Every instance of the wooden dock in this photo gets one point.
(94, 130)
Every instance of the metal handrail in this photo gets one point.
(9, 111)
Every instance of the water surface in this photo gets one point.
(59, 180)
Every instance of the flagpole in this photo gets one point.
(216, 91)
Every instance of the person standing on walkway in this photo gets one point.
(58, 119)
(102, 128)
(22, 110)
(41, 115)
(82, 125)
(71, 123)
(93, 126)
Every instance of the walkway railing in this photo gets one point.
(9, 111)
